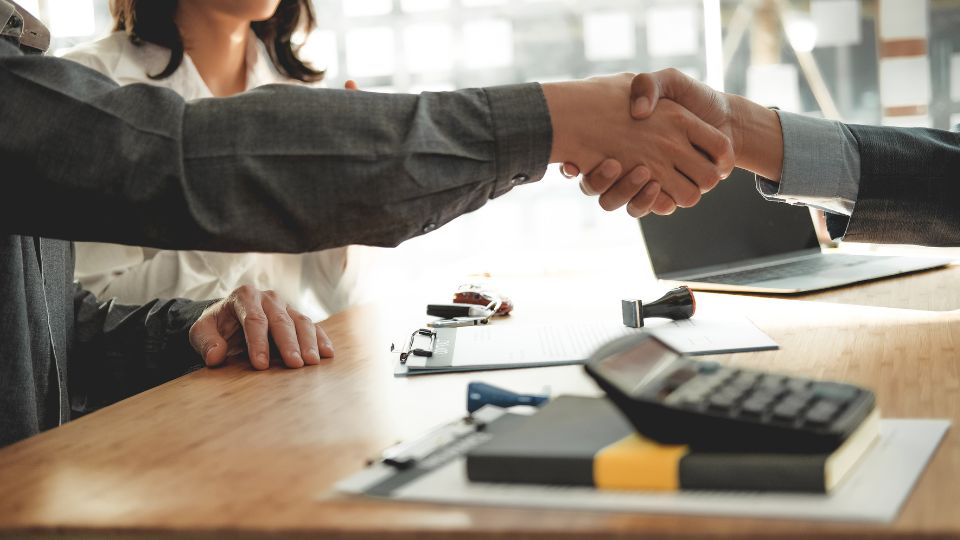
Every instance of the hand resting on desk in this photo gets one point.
(246, 320)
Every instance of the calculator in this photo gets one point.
(674, 399)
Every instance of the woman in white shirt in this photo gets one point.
(202, 49)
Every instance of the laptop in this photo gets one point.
(735, 240)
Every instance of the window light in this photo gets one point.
(370, 52)
(609, 36)
(428, 47)
(367, 8)
(71, 18)
(487, 44)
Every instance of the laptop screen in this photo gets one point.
(732, 223)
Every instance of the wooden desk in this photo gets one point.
(932, 290)
(233, 451)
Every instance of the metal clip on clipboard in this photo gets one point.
(444, 443)
(409, 349)
(438, 443)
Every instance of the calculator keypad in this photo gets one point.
(762, 397)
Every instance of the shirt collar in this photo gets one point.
(186, 80)
(259, 68)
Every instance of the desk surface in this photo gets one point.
(933, 290)
(230, 450)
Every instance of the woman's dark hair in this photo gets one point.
(152, 21)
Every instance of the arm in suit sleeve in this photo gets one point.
(121, 350)
(909, 189)
(879, 184)
(280, 168)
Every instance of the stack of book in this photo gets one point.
(586, 441)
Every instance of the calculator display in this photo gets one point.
(633, 368)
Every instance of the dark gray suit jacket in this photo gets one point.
(281, 168)
(909, 191)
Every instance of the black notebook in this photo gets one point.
(586, 441)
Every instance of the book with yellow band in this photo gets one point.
(586, 441)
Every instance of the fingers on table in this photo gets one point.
(326, 344)
(306, 336)
(282, 329)
(247, 304)
(265, 316)
(206, 339)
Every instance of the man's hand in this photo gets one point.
(753, 129)
(711, 106)
(683, 155)
(645, 93)
(247, 320)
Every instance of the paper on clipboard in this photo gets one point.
(510, 346)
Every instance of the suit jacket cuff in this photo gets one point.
(523, 134)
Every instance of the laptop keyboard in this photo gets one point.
(802, 267)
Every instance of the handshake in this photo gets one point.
(654, 142)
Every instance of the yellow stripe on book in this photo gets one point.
(639, 464)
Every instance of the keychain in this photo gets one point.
(473, 305)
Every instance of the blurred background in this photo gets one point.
(894, 62)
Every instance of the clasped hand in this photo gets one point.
(638, 150)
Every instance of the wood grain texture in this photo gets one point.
(230, 451)
(932, 290)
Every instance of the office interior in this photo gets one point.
(547, 244)
(817, 57)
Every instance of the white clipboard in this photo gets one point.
(512, 346)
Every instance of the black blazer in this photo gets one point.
(909, 188)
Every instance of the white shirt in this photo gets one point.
(318, 284)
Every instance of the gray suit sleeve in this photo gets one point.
(281, 168)
(909, 188)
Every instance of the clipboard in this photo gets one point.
(432, 469)
(434, 350)
(513, 346)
